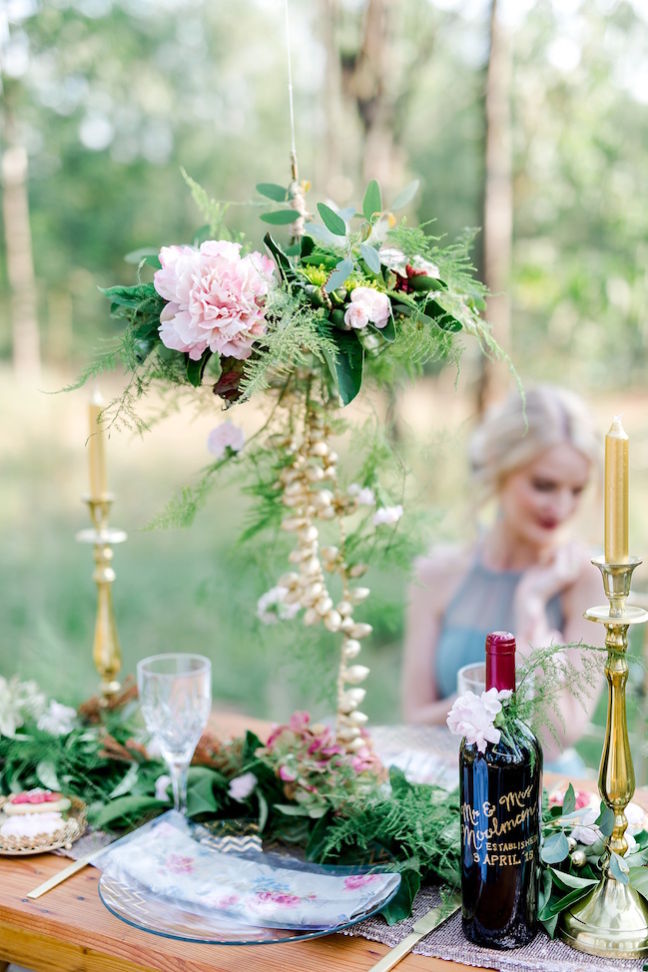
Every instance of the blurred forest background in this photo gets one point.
(527, 119)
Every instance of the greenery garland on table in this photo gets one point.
(356, 297)
(302, 787)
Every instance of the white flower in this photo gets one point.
(356, 316)
(162, 784)
(430, 269)
(393, 258)
(376, 307)
(271, 606)
(473, 716)
(18, 701)
(241, 787)
(387, 515)
(363, 495)
(58, 719)
(225, 436)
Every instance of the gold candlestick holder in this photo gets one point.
(613, 919)
(106, 651)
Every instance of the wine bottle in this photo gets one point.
(501, 791)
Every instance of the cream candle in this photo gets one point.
(616, 494)
(96, 447)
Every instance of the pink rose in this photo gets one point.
(356, 316)
(375, 305)
(215, 298)
(225, 436)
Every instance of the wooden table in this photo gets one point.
(69, 930)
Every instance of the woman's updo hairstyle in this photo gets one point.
(514, 432)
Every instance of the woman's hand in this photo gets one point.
(561, 569)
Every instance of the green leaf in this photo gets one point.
(605, 820)
(339, 275)
(334, 223)
(388, 331)
(130, 296)
(565, 880)
(558, 904)
(145, 255)
(202, 784)
(292, 809)
(550, 925)
(555, 849)
(401, 904)
(282, 261)
(126, 783)
(639, 879)
(263, 809)
(272, 191)
(195, 369)
(348, 365)
(406, 195)
(569, 801)
(282, 217)
(370, 256)
(372, 202)
(46, 773)
(125, 810)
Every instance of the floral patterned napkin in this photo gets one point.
(167, 858)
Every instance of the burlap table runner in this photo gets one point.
(448, 942)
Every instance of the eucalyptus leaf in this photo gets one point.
(339, 275)
(605, 820)
(124, 809)
(331, 220)
(569, 801)
(566, 880)
(558, 904)
(272, 191)
(619, 869)
(372, 202)
(292, 809)
(555, 849)
(370, 257)
(406, 195)
(281, 217)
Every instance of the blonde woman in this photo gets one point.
(524, 574)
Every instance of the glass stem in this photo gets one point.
(179, 772)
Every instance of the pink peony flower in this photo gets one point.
(374, 304)
(215, 298)
(225, 436)
(473, 717)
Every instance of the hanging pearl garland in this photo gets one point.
(310, 492)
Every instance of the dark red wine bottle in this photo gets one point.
(501, 791)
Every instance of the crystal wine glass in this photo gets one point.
(175, 696)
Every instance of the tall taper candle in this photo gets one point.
(616, 494)
(96, 447)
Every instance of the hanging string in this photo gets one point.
(293, 143)
(296, 190)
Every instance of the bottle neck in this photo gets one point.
(500, 671)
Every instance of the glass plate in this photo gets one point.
(139, 907)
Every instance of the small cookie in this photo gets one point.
(36, 801)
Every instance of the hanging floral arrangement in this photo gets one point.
(351, 297)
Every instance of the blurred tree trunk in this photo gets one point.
(20, 264)
(498, 206)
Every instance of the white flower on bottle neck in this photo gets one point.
(473, 716)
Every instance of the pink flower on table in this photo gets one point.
(178, 864)
(225, 436)
(215, 298)
(286, 775)
(375, 305)
(241, 787)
